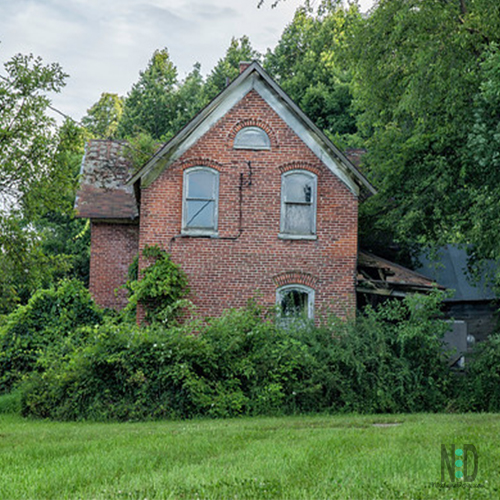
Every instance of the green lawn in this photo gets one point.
(297, 457)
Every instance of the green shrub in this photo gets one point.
(10, 403)
(49, 316)
(479, 389)
(243, 363)
(392, 359)
(161, 289)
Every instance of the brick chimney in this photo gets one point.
(244, 65)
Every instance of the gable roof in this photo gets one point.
(103, 193)
(255, 78)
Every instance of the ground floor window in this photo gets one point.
(295, 301)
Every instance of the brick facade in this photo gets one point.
(113, 248)
(248, 259)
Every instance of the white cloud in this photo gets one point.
(103, 44)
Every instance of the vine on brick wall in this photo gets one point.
(161, 289)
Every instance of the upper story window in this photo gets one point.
(298, 205)
(252, 138)
(200, 200)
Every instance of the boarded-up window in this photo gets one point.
(298, 203)
(201, 190)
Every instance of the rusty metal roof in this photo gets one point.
(103, 192)
(382, 277)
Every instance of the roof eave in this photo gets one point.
(164, 153)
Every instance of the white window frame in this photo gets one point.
(298, 236)
(193, 230)
(311, 294)
(263, 133)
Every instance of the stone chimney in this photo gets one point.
(244, 65)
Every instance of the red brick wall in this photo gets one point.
(113, 248)
(225, 273)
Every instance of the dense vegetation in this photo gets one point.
(62, 358)
(69, 362)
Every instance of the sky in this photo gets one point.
(103, 44)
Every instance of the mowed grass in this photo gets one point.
(343, 457)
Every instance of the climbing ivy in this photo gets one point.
(161, 288)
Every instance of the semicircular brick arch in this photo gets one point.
(201, 162)
(254, 122)
(295, 277)
(300, 165)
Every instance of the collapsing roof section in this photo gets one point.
(255, 78)
(382, 277)
(103, 193)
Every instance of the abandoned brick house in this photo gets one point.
(250, 198)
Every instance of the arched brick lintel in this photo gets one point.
(300, 165)
(253, 122)
(295, 278)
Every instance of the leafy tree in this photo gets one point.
(190, 98)
(27, 136)
(308, 64)
(417, 69)
(103, 117)
(40, 248)
(35, 178)
(228, 68)
(482, 176)
(150, 106)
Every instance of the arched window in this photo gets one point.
(295, 301)
(200, 200)
(298, 204)
(252, 138)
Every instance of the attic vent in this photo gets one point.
(252, 138)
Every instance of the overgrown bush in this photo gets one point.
(479, 390)
(243, 363)
(392, 359)
(33, 329)
(161, 289)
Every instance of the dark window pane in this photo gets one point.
(294, 303)
(298, 219)
(200, 214)
(201, 184)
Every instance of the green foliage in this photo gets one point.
(392, 359)
(10, 403)
(479, 390)
(308, 63)
(227, 68)
(150, 105)
(35, 177)
(418, 78)
(140, 148)
(27, 139)
(161, 288)
(49, 316)
(103, 117)
(243, 363)
(46, 244)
